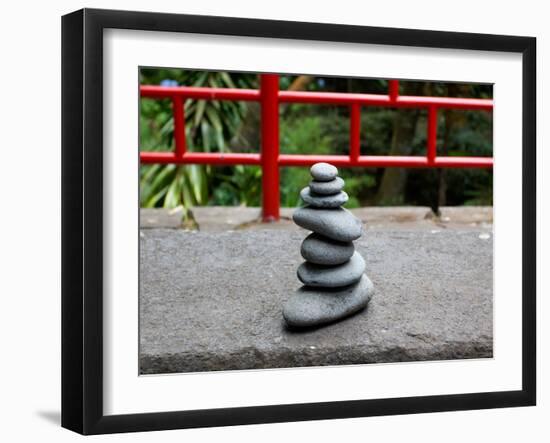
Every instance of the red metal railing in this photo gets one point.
(270, 159)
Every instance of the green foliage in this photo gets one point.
(209, 126)
(317, 130)
(216, 126)
(240, 186)
(299, 136)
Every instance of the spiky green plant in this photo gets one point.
(210, 125)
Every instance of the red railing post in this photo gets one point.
(179, 125)
(354, 133)
(431, 151)
(393, 90)
(269, 86)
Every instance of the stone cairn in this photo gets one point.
(335, 284)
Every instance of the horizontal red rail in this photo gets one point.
(153, 91)
(270, 159)
(373, 161)
(324, 98)
(213, 158)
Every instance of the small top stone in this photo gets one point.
(323, 172)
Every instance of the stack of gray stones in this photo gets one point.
(335, 284)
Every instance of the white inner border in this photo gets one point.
(126, 392)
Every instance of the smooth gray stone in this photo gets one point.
(338, 224)
(327, 188)
(325, 251)
(323, 172)
(309, 307)
(323, 201)
(337, 276)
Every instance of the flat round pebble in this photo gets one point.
(323, 172)
(323, 201)
(309, 307)
(337, 276)
(338, 224)
(325, 251)
(327, 188)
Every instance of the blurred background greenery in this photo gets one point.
(224, 126)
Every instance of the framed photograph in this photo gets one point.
(269, 221)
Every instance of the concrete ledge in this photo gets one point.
(150, 218)
(224, 218)
(212, 301)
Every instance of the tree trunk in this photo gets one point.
(392, 187)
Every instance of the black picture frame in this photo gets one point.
(82, 220)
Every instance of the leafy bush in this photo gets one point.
(217, 126)
(209, 126)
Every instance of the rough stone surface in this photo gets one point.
(212, 301)
(466, 214)
(327, 188)
(338, 224)
(324, 251)
(337, 276)
(323, 201)
(323, 172)
(224, 218)
(311, 307)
